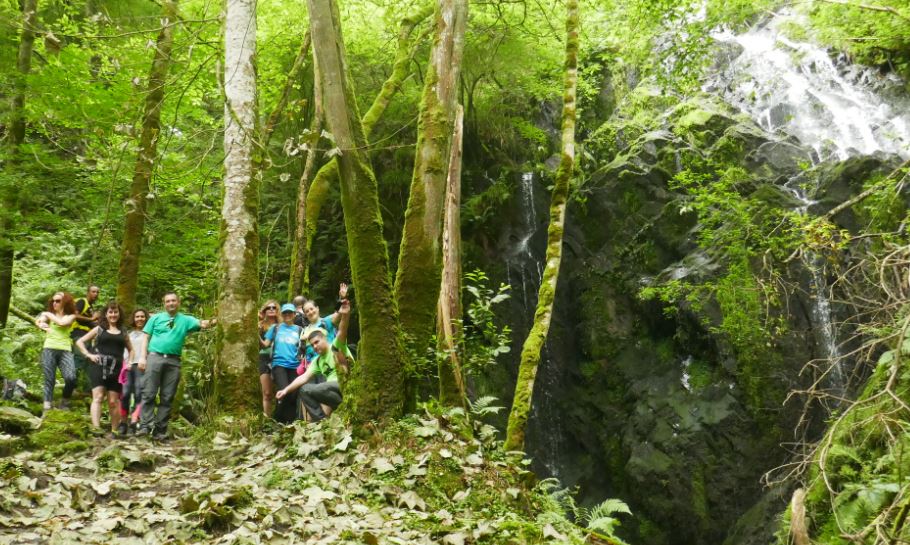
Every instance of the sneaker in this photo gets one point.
(122, 429)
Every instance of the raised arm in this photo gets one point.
(342, 295)
(62, 321)
(345, 313)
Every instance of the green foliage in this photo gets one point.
(870, 36)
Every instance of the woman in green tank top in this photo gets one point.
(57, 321)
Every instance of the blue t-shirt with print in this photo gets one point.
(285, 339)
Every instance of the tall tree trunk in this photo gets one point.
(134, 225)
(300, 278)
(238, 343)
(452, 390)
(328, 174)
(419, 263)
(530, 353)
(16, 137)
(375, 389)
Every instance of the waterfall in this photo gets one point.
(796, 89)
(836, 108)
(524, 271)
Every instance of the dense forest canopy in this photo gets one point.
(733, 274)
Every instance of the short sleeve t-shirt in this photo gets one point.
(326, 365)
(169, 332)
(286, 340)
(325, 323)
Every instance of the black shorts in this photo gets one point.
(265, 367)
(111, 383)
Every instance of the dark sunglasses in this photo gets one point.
(273, 307)
(56, 300)
(170, 324)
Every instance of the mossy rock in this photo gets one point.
(61, 432)
(17, 421)
(10, 444)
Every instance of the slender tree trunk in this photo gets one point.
(285, 95)
(300, 278)
(328, 174)
(419, 263)
(452, 390)
(134, 225)
(530, 353)
(238, 343)
(375, 389)
(16, 137)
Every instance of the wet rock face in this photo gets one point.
(655, 406)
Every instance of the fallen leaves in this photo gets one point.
(313, 484)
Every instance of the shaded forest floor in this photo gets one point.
(428, 479)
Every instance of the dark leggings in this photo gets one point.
(51, 358)
(286, 408)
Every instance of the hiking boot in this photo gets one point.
(134, 427)
(64, 404)
(160, 436)
(143, 432)
(122, 429)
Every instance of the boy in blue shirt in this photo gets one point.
(285, 358)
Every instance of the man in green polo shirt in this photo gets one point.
(159, 359)
(330, 356)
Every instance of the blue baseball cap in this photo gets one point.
(288, 307)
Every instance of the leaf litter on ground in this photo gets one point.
(304, 483)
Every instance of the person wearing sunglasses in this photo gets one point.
(56, 322)
(285, 337)
(321, 399)
(159, 358)
(268, 317)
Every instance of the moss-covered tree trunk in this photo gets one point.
(452, 390)
(328, 174)
(419, 261)
(15, 138)
(530, 353)
(238, 343)
(375, 389)
(136, 205)
(300, 257)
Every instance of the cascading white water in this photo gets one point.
(524, 267)
(837, 108)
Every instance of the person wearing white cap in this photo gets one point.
(285, 358)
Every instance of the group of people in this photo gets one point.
(138, 371)
(301, 350)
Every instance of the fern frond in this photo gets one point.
(606, 508)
